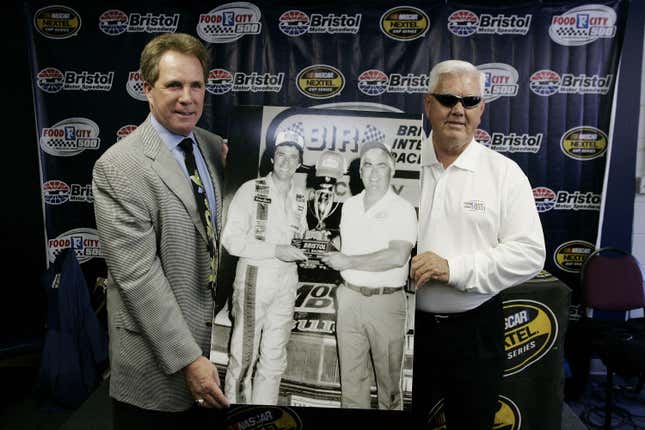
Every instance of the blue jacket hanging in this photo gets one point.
(75, 348)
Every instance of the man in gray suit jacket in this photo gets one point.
(156, 245)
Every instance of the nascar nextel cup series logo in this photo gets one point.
(405, 23)
(320, 81)
(500, 80)
(583, 24)
(465, 23)
(295, 23)
(57, 22)
(511, 142)
(84, 241)
(584, 143)
(221, 81)
(547, 199)
(114, 22)
(52, 80)
(547, 82)
(374, 82)
(229, 22)
(134, 86)
(570, 255)
(261, 418)
(70, 137)
(507, 416)
(57, 192)
(530, 330)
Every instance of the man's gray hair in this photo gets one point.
(453, 67)
(391, 162)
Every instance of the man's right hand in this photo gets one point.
(289, 253)
(203, 383)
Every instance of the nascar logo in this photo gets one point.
(464, 23)
(583, 24)
(570, 256)
(52, 80)
(229, 22)
(507, 417)
(70, 137)
(134, 86)
(584, 143)
(295, 23)
(114, 22)
(500, 80)
(320, 81)
(405, 23)
(547, 82)
(57, 22)
(84, 241)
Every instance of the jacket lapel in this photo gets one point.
(170, 173)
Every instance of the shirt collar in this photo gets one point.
(170, 139)
(383, 201)
(467, 160)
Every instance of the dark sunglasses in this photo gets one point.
(449, 100)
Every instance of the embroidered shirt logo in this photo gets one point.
(475, 206)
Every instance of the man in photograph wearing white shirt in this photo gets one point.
(479, 233)
(378, 230)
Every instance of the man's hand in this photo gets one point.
(203, 383)
(336, 260)
(429, 266)
(289, 253)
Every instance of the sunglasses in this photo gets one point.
(449, 100)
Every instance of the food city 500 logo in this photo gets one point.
(52, 80)
(374, 82)
(583, 24)
(84, 241)
(295, 23)
(70, 137)
(547, 83)
(500, 80)
(465, 23)
(56, 192)
(229, 22)
(114, 22)
(134, 86)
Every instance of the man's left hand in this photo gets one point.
(336, 260)
(429, 266)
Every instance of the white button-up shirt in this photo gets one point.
(366, 231)
(480, 215)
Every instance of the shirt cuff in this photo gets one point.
(456, 273)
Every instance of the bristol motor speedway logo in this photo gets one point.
(124, 131)
(374, 82)
(114, 22)
(547, 199)
(229, 22)
(500, 80)
(57, 192)
(52, 80)
(583, 24)
(511, 142)
(295, 23)
(465, 23)
(70, 137)
(547, 83)
(84, 241)
(221, 81)
(134, 86)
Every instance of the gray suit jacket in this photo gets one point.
(155, 247)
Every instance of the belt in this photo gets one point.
(370, 291)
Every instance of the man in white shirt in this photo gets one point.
(378, 231)
(263, 217)
(479, 233)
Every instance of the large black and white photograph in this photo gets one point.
(319, 226)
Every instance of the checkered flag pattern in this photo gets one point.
(372, 134)
(297, 128)
(568, 32)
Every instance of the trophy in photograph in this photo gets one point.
(330, 167)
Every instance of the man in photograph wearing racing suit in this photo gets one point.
(263, 217)
(378, 229)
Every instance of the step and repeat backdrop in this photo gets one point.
(550, 69)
